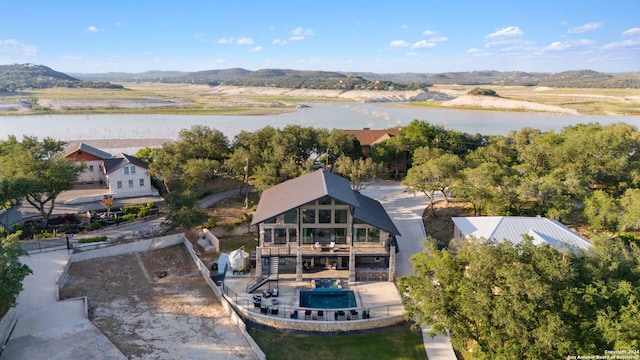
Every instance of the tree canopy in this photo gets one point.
(505, 301)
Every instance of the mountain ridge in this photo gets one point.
(19, 76)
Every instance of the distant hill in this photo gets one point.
(14, 77)
(22, 76)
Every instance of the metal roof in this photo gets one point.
(307, 188)
(513, 228)
(371, 212)
(296, 192)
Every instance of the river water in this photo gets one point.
(322, 115)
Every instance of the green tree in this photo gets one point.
(392, 151)
(601, 211)
(360, 172)
(12, 271)
(630, 210)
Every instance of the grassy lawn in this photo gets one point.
(394, 342)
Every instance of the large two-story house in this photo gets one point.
(317, 222)
(123, 175)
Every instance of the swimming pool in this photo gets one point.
(327, 299)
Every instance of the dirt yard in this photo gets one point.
(151, 316)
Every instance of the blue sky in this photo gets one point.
(424, 36)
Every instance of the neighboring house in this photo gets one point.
(92, 158)
(512, 228)
(317, 222)
(124, 175)
(127, 176)
(368, 137)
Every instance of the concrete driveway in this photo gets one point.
(406, 211)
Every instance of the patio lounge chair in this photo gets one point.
(264, 310)
(274, 311)
(320, 315)
(266, 293)
(307, 314)
(341, 315)
(274, 292)
(354, 314)
(294, 314)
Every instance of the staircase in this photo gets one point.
(274, 266)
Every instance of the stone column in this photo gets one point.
(392, 263)
(299, 264)
(352, 264)
(259, 262)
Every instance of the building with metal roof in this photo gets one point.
(514, 228)
(316, 221)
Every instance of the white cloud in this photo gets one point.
(404, 27)
(473, 51)
(585, 28)
(296, 38)
(623, 44)
(503, 42)
(398, 43)
(279, 42)
(423, 44)
(438, 39)
(256, 49)
(226, 40)
(568, 45)
(244, 41)
(508, 32)
(17, 47)
(428, 32)
(93, 29)
(631, 32)
(300, 31)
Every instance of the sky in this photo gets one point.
(424, 36)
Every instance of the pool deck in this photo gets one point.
(369, 294)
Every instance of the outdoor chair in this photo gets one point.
(274, 292)
(274, 311)
(320, 315)
(354, 314)
(294, 314)
(264, 310)
(266, 293)
(341, 315)
(307, 314)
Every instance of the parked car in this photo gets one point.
(318, 165)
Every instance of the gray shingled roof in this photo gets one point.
(115, 163)
(89, 150)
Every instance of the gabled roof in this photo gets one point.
(296, 192)
(371, 212)
(113, 164)
(89, 150)
(542, 230)
(368, 137)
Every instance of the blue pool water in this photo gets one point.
(328, 299)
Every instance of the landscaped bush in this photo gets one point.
(131, 209)
(92, 239)
(46, 235)
(211, 223)
(92, 227)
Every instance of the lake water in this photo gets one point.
(323, 115)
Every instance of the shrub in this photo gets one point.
(131, 209)
(211, 223)
(92, 239)
(143, 212)
(128, 217)
(482, 92)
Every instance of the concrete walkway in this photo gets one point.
(51, 329)
(406, 211)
